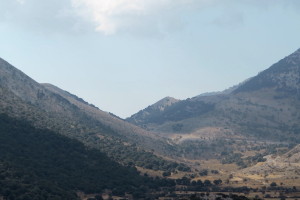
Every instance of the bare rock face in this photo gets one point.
(293, 156)
(288, 162)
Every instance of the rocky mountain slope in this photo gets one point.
(289, 161)
(278, 168)
(265, 106)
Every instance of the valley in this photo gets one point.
(242, 143)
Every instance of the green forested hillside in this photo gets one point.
(39, 164)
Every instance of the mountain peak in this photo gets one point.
(154, 109)
(282, 76)
(165, 102)
(294, 58)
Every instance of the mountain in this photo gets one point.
(265, 106)
(151, 113)
(47, 107)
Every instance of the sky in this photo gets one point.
(123, 55)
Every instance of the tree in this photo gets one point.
(203, 172)
(207, 183)
(273, 184)
(166, 174)
(217, 182)
(98, 197)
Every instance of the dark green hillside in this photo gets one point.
(39, 164)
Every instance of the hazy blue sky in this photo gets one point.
(123, 55)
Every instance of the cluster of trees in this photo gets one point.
(197, 185)
(234, 158)
(243, 162)
(219, 196)
(203, 172)
(133, 155)
(206, 149)
(208, 195)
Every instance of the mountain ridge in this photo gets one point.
(257, 107)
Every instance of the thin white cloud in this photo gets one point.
(139, 17)
(158, 16)
(111, 16)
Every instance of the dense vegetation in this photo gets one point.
(133, 155)
(39, 164)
